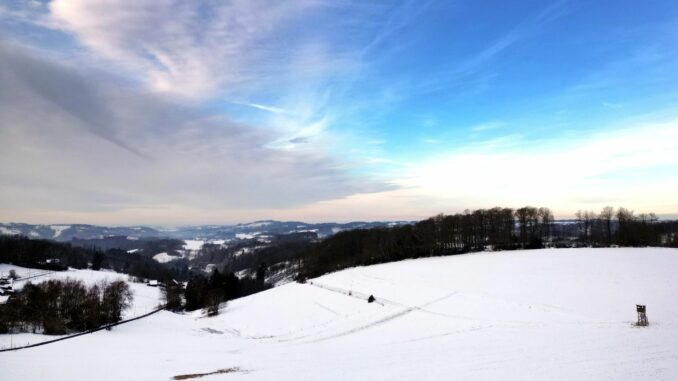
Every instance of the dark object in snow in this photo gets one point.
(642, 318)
(6, 286)
(370, 299)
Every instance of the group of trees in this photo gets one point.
(208, 292)
(23, 251)
(145, 245)
(62, 306)
(496, 228)
(622, 227)
(485, 229)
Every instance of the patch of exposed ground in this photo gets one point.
(198, 375)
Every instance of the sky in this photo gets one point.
(199, 112)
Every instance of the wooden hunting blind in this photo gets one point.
(642, 318)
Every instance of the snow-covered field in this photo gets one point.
(146, 298)
(530, 315)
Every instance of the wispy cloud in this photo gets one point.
(249, 107)
(189, 49)
(275, 110)
(487, 126)
(190, 160)
(473, 70)
(396, 19)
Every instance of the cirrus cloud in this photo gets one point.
(71, 139)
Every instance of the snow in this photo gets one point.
(257, 224)
(196, 244)
(132, 251)
(20, 271)
(244, 250)
(146, 298)
(4, 230)
(306, 231)
(246, 235)
(532, 315)
(193, 244)
(58, 229)
(164, 258)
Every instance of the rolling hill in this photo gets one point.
(531, 315)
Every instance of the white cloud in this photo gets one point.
(72, 141)
(272, 109)
(192, 49)
(633, 166)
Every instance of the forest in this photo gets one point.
(40, 254)
(208, 292)
(57, 307)
(486, 229)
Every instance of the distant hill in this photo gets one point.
(67, 232)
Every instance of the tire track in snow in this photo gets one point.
(352, 293)
(519, 323)
(377, 322)
(365, 326)
(328, 309)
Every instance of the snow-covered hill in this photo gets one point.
(65, 233)
(529, 315)
(146, 298)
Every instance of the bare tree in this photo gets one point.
(214, 299)
(606, 218)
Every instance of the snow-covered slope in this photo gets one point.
(146, 299)
(529, 315)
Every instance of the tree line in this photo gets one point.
(57, 307)
(623, 228)
(35, 253)
(485, 229)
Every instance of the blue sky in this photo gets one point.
(210, 111)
